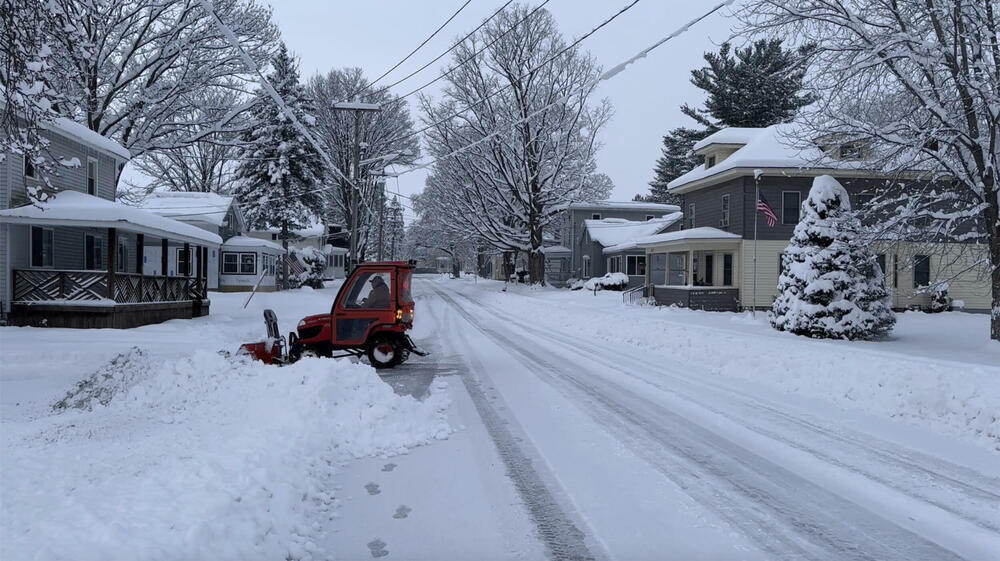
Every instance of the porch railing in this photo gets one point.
(634, 295)
(46, 285)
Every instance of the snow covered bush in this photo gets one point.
(575, 283)
(940, 301)
(610, 281)
(314, 261)
(831, 285)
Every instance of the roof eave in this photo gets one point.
(209, 238)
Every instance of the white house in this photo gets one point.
(247, 261)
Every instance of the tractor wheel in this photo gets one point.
(384, 351)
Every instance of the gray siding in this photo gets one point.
(72, 178)
(574, 237)
(5, 164)
(708, 206)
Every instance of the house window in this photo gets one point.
(691, 215)
(704, 268)
(635, 265)
(270, 262)
(92, 176)
(677, 270)
(615, 264)
(727, 269)
(586, 266)
(274, 237)
(650, 216)
(791, 202)
(781, 264)
(248, 263)
(230, 263)
(183, 262)
(709, 161)
(921, 271)
(41, 246)
(93, 247)
(29, 166)
(724, 223)
(596, 216)
(121, 263)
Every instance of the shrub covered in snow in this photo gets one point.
(831, 285)
(314, 262)
(940, 301)
(610, 281)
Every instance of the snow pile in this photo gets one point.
(610, 281)
(203, 457)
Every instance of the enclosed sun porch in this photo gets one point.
(697, 268)
(81, 261)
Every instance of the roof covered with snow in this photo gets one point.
(624, 205)
(72, 208)
(617, 231)
(247, 241)
(556, 249)
(777, 146)
(730, 135)
(194, 207)
(75, 130)
(703, 233)
(314, 229)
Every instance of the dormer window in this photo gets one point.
(851, 151)
(709, 161)
(596, 216)
(29, 167)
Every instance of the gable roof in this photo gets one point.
(210, 208)
(777, 146)
(730, 135)
(615, 232)
(701, 233)
(81, 133)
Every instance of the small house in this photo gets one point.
(249, 263)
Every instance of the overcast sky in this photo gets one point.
(375, 34)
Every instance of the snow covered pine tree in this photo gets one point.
(831, 285)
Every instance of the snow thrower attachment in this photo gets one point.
(370, 317)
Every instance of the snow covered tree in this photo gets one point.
(30, 80)
(389, 131)
(918, 83)
(396, 228)
(756, 86)
(831, 285)
(507, 168)
(281, 170)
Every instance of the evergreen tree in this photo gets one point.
(280, 166)
(758, 86)
(831, 285)
(397, 229)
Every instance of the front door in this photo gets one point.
(367, 302)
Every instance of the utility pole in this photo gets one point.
(358, 108)
(381, 212)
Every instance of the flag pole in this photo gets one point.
(756, 201)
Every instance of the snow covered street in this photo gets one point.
(545, 424)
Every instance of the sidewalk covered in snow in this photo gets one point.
(85, 260)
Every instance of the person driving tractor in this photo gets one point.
(379, 296)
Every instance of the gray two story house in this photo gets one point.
(77, 259)
(710, 264)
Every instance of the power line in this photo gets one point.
(607, 75)
(414, 51)
(491, 95)
(440, 56)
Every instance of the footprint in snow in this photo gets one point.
(402, 512)
(373, 488)
(389, 467)
(377, 547)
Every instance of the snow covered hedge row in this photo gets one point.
(610, 281)
(199, 458)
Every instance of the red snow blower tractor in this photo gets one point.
(370, 316)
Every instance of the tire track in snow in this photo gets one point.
(785, 514)
(562, 537)
(910, 473)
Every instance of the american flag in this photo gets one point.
(294, 266)
(769, 216)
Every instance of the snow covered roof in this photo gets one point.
(72, 208)
(611, 232)
(730, 135)
(556, 249)
(247, 241)
(80, 132)
(777, 146)
(702, 233)
(334, 250)
(194, 207)
(624, 205)
(314, 229)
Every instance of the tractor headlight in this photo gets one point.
(302, 323)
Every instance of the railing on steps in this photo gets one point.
(634, 295)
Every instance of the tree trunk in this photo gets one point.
(993, 220)
(284, 257)
(456, 268)
(536, 259)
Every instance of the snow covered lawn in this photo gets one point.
(173, 451)
(935, 370)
